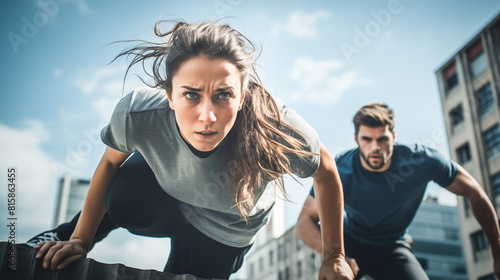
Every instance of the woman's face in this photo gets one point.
(206, 97)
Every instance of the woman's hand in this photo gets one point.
(59, 254)
(335, 268)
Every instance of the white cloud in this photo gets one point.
(106, 83)
(319, 82)
(301, 24)
(36, 182)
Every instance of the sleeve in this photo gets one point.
(114, 134)
(444, 170)
(302, 167)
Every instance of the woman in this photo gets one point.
(198, 158)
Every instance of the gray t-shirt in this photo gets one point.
(143, 122)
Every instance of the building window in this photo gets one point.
(456, 116)
(280, 275)
(280, 253)
(261, 264)
(495, 184)
(463, 153)
(314, 262)
(271, 258)
(487, 277)
(492, 141)
(299, 244)
(467, 210)
(299, 270)
(484, 100)
(479, 245)
(287, 273)
(450, 76)
(477, 59)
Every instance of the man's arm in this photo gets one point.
(307, 228)
(465, 185)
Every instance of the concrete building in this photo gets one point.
(70, 199)
(469, 89)
(436, 241)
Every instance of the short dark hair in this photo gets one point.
(374, 115)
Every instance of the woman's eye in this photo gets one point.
(224, 95)
(191, 95)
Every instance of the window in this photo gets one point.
(484, 100)
(479, 245)
(299, 244)
(280, 275)
(280, 249)
(271, 258)
(477, 59)
(492, 141)
(467, 210)
(495, 184)
(463, 153)
(261, 264)
(450, 76)
(314, 264)
(456, 116)
(287, 273)
(299, 270)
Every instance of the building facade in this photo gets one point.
(436, 241)
(70, 199)
(469, 90)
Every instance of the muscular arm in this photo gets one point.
(94, 207)
(62, 253)
(307, 225)
(483, 210)
(330, 203)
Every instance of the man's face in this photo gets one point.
(375, 147)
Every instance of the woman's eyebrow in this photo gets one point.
(191, 88)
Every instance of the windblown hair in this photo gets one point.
(374, 115)
(258, 147)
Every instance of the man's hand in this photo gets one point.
(336, 268)
(59, 254)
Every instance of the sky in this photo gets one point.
(325, 59)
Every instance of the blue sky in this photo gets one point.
(324, 58)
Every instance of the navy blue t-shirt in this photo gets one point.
(379, 206)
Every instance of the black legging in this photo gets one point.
(136, 202)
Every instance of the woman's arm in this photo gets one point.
(62, 253)
(330, 204)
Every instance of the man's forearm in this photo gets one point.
(486, 216)
(309, 233)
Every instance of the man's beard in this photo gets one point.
(374, 167)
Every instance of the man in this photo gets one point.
(384, 184)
